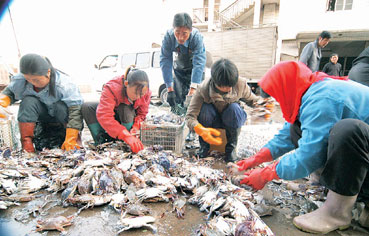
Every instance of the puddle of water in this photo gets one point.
(103, 221)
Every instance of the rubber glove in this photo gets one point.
(257, 178)
(262, 156)
(208, 134)
(70, 141)
(135, 130)
(131, 140)
(171, 98)
(4, 100)
(4, 113)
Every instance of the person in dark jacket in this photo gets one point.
(123, 106)
(333, 67)
(216, 105)
(327, 126)
(48, 96)
(189, 61)
(360, 68)
(312, 52)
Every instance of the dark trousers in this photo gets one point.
(181, 84)
(31, 109)
(124, 113)
(50, 130)
(360, 73)
(232, 117)
(347, 166)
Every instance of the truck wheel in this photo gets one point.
(163, 97)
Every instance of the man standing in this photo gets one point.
(189, 60)
(333, 67)
(312, 52)
(360, 68)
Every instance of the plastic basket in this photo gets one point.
(8, 134)
(170, 137)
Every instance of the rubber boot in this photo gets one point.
(27, 134)
(364, 217)
(97, 133)
(231, 146)
(334, 214)
(204, 148)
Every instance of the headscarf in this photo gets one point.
(287, 82)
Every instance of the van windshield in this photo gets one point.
(128, 59)
(143, 60)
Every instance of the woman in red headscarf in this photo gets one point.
(327, 127)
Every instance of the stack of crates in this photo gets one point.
(169, 136)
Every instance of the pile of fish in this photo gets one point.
(253, 137)
(164, 118)
(111, 175)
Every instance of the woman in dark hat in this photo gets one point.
(47, 95)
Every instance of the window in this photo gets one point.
(156, 59)
(128, 59)
(109, 61)
(143, 60)
(339, 5)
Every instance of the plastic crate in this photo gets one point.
(9, 134)
(170, 137)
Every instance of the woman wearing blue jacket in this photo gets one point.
(327, 127)
(47, 95)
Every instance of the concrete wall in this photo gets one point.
(310, 15)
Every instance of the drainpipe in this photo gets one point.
(257, 13)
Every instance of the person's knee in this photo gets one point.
(207, 114)
(29, 101)
(87, 107)
(344, 130)
(234, 116)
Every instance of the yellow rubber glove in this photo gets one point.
(4, 100)
(208, 134)
(70, 142)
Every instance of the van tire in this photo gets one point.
(163, 97)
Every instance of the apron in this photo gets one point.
(182, 74)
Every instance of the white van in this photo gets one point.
(146, 60)
(116, 64)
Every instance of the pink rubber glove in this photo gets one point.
(262, 156)
(257, 178)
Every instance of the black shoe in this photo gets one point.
(232, 140)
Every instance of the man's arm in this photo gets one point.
(166, 61)
(306, 53)
(199, 59)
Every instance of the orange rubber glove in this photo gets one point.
(262, 156)
(257, 178)
(4, 100)
(135, 128)
(208, 134)
(131, 140)
(70, 141)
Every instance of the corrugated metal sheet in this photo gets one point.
(252, 50)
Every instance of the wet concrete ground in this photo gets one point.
(102, 220)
